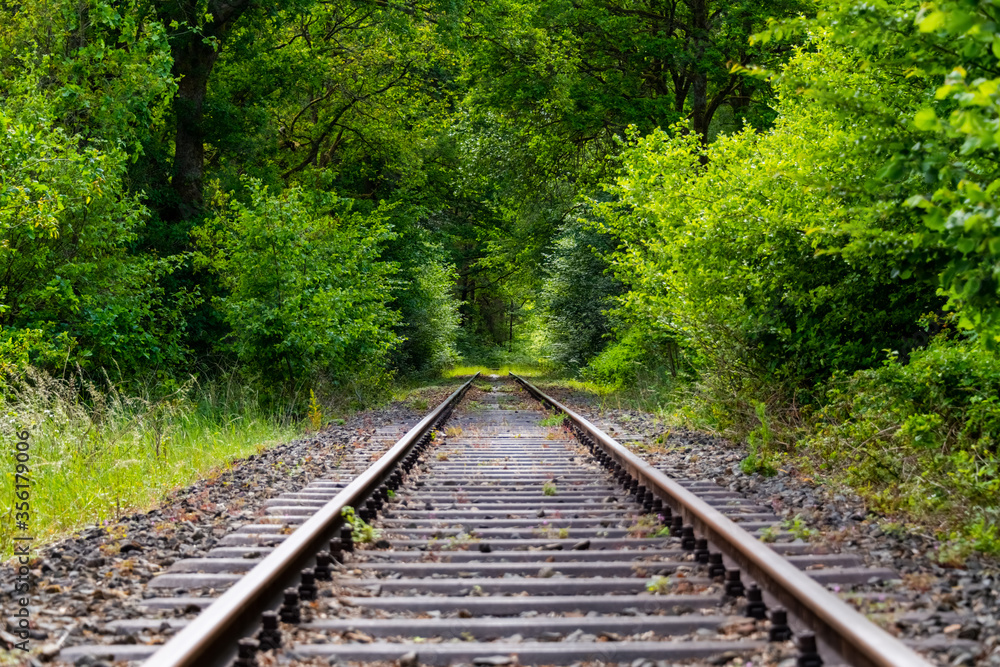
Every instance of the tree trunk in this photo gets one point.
(700, 117)
(194, 46)
(510, 337)
(193, 63)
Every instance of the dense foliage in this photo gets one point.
(804, 270)
(760, 202)
(201, 157)
(231, 185)
(304, 290)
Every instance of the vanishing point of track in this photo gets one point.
(507, 542)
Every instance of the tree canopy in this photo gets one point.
(312, 188)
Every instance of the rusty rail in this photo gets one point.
(854, 637)
(212, 640)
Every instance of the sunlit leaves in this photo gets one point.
(769, 252)
(306, 294)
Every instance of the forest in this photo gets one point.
(774, 219)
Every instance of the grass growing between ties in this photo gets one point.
(553, 420)
(99, 454)
(362, 532)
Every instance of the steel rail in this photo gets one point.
(211, 640)
(849, 633)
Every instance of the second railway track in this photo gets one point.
(506, 541)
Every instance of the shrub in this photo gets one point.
(640, 353)
(922, 436)
(306, 294)
(735, 247)
(67, 227)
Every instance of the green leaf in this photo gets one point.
(933, 21)
(935, 219)
(926, 120)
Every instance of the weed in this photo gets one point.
(115, 536)
(760, 458)
(799, 529)
(648, 525)
(362, 532)
(768, 534)
(419, 405)
(453, 431)
(549, 488)
(893, 529)
(978, 535)
(460, 542)
(315, 412)
(563, 533)
(658, 585)
(553, 420)
(442, 456)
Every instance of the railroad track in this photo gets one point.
(504, 541)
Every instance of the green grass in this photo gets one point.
(517, 369)
(588, 387)
(553, 420)
(110, 454)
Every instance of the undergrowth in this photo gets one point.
(916, 438)
(98, 453)
(920, 438)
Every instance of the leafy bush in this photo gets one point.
(81, 86)
(935, 135)
(306, 293)
(102, 67)
(639, 354)
(742, 249)
(67, 226)
(923, 436)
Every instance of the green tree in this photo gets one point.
(742, 246)
(577, 293)
(306, 296)
(939, 153)
(82, 87)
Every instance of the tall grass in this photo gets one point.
(98, 452)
